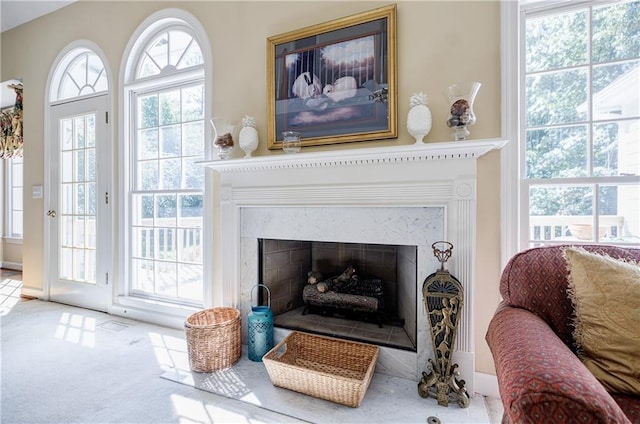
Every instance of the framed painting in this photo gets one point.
(334, 82)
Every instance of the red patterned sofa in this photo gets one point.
(540, 377)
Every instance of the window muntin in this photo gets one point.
(169, 51)
(84, 75)
(78, 199)
(14, 185)
(581, 124)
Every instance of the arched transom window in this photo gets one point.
(80, 73)
(169, 51)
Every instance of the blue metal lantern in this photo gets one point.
(260, 328)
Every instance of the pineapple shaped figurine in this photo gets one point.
(419, 117)
(248, 136)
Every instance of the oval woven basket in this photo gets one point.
(214, 339)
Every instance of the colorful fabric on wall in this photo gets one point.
(11, 140)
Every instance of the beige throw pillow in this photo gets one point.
(606, 296)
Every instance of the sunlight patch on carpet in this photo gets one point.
(9, 295)
(170, 352)
(77, 329)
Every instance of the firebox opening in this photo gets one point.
(374, 302)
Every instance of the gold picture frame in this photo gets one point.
(334, 82)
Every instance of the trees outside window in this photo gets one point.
(581, 115)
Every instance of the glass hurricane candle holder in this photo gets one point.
(291, 141)
(461, 116)
(223, 136)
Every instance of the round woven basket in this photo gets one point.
(214, 339)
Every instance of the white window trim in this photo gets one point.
(510, 208)
(154, 311)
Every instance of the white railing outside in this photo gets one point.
(575, 228)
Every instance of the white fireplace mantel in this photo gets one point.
(373, 155)
(293, 194)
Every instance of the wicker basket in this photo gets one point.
(324, 367)
(214, 339)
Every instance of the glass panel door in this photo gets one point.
(79, 209)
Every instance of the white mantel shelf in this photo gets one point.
(472, 149)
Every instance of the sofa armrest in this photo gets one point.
(541, 380)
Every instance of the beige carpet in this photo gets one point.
(61, 364)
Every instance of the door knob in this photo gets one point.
(52, 213)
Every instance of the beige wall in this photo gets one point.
(438, 43)
(11, 254)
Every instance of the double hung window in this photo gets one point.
(580, 138)
(166, 184)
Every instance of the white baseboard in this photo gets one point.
(33, 292)
(486, 385)
(13, 266)
(146, 315)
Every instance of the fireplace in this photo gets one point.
(403, 196)
(384, 274)
(362, 234)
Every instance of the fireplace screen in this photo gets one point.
(356, 291)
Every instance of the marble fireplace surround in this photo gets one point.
(408, 195)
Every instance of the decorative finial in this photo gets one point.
(442, 254)
(418, 99)
(248, 121)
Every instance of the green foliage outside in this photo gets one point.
(558, 82)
